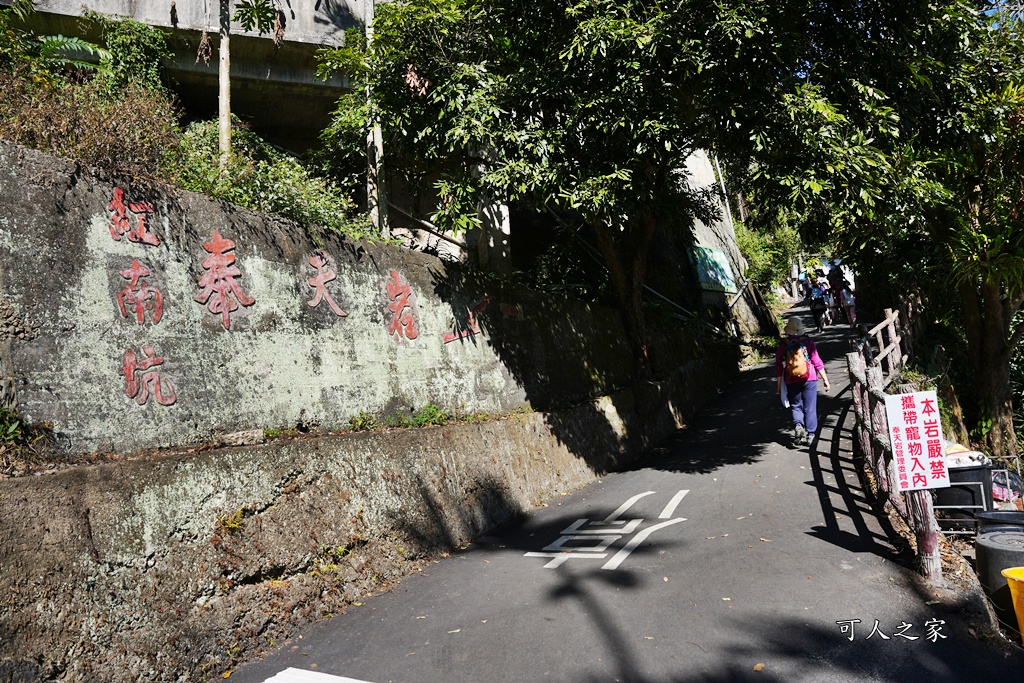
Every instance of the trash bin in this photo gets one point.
(1015, 580)
(995, 552)
(969, 492)
(1000, 520)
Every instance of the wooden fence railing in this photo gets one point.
(870, 374)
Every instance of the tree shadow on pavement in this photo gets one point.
(571, 361)
(846, 509)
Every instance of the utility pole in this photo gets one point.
(376, 191)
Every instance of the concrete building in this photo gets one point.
(274, 89)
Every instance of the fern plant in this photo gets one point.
(60, 51)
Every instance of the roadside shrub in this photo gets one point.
(768, 254)
(261, 178)
(125, 131)
(136, 53)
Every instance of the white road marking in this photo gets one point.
(603, 527)
(559, 558)
(625, 506)
(621, 556)
(671, 507)
(604, 541)
(292, 675)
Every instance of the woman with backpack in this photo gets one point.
(819, 306)
(798, 365)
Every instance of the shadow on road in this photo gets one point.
(740, 427)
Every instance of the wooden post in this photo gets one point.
(926, 529)
(879, 428)
(896, 353)
(880, 340)
(855, 364)
(376, 187)
(908, 321)
(224, 82)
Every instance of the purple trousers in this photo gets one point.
(803, 401)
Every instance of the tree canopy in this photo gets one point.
(890, 131)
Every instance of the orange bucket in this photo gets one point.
(1015, 578)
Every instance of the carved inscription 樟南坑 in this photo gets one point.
(120, 225)
(138, 296)
(141, 379)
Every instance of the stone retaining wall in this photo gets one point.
(175, 568)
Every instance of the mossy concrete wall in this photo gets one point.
(173, 564)
(84, 350)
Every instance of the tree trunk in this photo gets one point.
(627, 266)
(224, 114)
(988, 341)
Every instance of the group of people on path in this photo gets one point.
(831, 297)
(798, 365)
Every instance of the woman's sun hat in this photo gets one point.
(794, 328)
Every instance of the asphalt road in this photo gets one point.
(744, 577)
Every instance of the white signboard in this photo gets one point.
(915, 430)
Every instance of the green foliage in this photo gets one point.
(342, 153)
(430, 415)
(14, 44)
(255, 15)
(364, 422)
(349, 59)
(231, 524)
(22, 8)
(396, 421)
(127, 131)
(24, 448)
(10, 427)
(769, 253)
(466, 89)
(135, 52)
(43, 59)
(54, 51)
(261, 178)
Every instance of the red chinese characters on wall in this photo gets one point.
(221, 293)
(318, 282)
(120, 224)
(403, 318)
(474, 328)
(138, 296)
(142, 379)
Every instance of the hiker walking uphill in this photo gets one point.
(798, 364)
